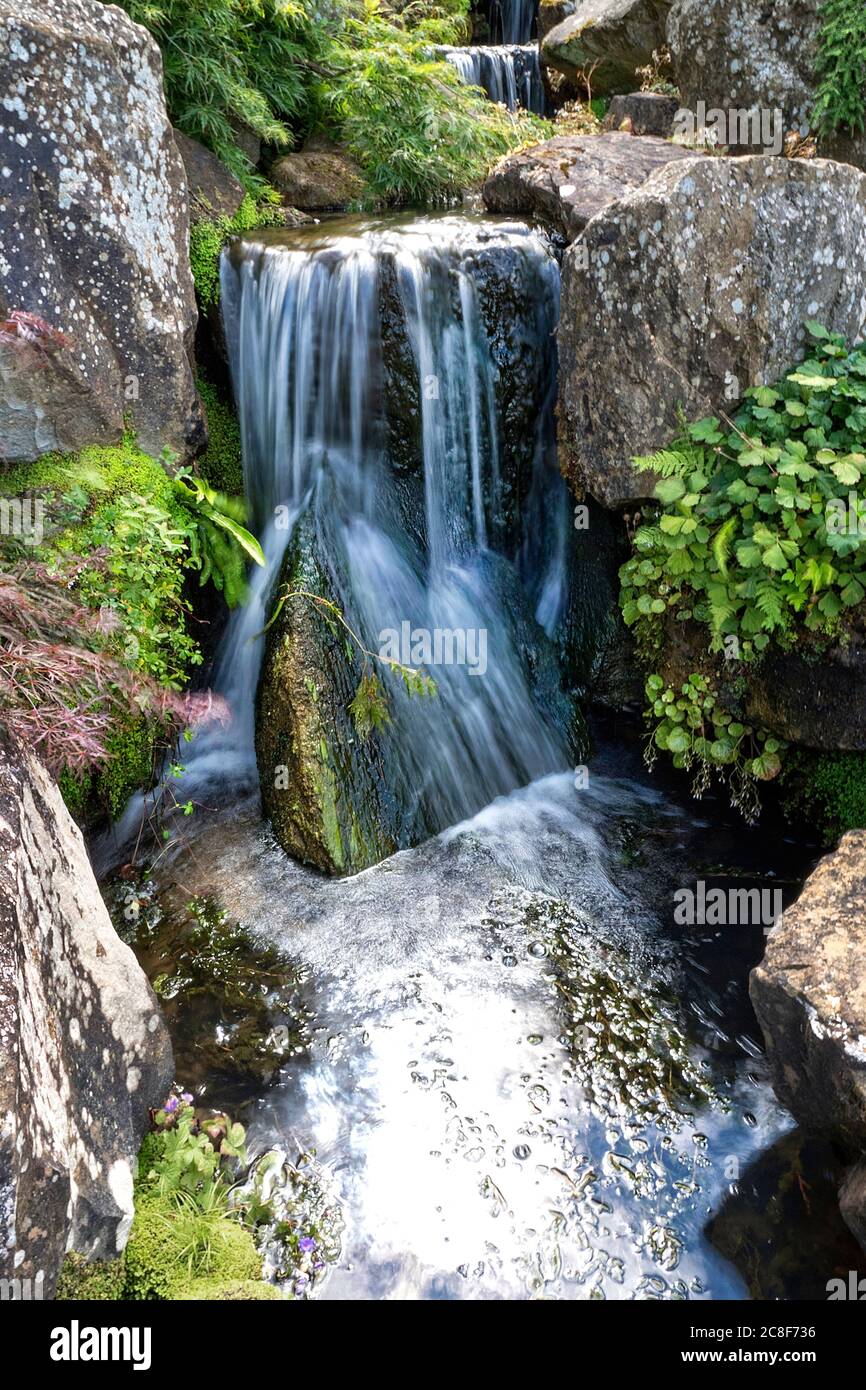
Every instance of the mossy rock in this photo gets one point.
(221, 464)
(237, 1290)
(323, 787)
(83, 1280)
(157, 1260)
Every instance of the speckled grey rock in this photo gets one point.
(691, 289)
(93, 234)
(567, 180)
(613, 38)
(84, 1052)
(809, 994)
(738, 54)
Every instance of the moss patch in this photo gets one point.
(91, 1280)
(221, 464)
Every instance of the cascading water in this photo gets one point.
(508, 73)
(440, 551)
(512, 21)
(519, 1081)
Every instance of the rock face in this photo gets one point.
(691, 289)
(610, 38)
(319, 178)
(213, 189)
(809, 994)
(737, 54)
(643, 113)
(95, 188)
(85, 1051)
(567, 180)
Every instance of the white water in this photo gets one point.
(509, 73)
(512, 21)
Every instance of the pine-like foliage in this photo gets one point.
(841, 68)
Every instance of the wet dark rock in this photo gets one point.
(567, 180)
(809, 994)
(86, 1053)
(213, 189)
(94, 227)
(610, 38)
(689, 290)
(736, 55)
(643, 113)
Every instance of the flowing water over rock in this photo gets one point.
(517, 1077)
(509, 73)
(512, 21)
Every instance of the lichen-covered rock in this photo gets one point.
(319, 178)
(213, 189)
(93, 224)
(565, 181)
(691, 289)
(642, 113)
(85, 1053)
(609, 38)
(809, 994)
(735, 54)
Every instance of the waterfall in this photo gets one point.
(512, 21)
(509, 73)
(438, 546)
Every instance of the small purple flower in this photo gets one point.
(171, 1105)
(306, 1245)
(186, 1098)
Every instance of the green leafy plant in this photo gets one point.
(840, 101)
(702, 737)
(758, 538)
(754, 535)
(219, 544)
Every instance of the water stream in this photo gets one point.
(508, 73)
(518, 1077)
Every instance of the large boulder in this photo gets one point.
(85, 1051)
(691, 289)
(94, 237)
(809, 994)
(737, 55)
(607, 41)
(567, 180)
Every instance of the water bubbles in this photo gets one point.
(537, 949)
(521, 1151)
(509, 960)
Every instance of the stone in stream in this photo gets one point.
(567, 180)
(85, 1051)
(809, 994)
(691, 289)
(606, 41)
(94, 227)
(734, 55)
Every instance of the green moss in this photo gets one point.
(162, 1261)
(221, 464)
(827, 791)
(207, 239)
(91, 1280)
(213, 1291)
(130, 750)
